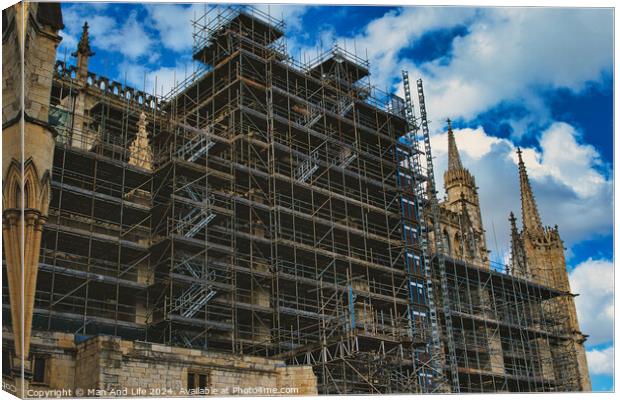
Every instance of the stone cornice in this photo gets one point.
(39, 28)
(27, 118)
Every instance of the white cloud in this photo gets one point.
(74, 18)
(131, 39)
(473, 142)
(290, 13)
(506, 53)
(67, 46)
(174, 23)
(566, 160)
(559, 171)
(518, 49)
(593, 280)
(160, 80)
(385, 37)
(601, 362)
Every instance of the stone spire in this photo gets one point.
(462, 200)
(454, 159)
(529, 210)
(82, 53)
(538, 255)
(457, 179)
(84, 44)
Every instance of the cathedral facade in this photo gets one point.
(537, 251)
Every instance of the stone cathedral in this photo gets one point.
(266, 228)
(537, 251)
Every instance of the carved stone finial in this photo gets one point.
(140, 150)
(142, 122)
(84, 44)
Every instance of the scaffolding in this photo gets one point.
(427, 230)
(289, 211)
(303, 226)
(94, 261)
(510, 333)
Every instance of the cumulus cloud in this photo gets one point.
(473, 142)
(593, 280)
(566, 160)
(130, 38)
(74, 18)
(506, 54)
(560, 167)
(601, 362)
(173, 23)
(385, 37)
(520, 48)
(159, 80)
(291, 14)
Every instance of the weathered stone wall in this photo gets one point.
(39, 56)
(104, 365)
(300, 377)
(545, 258)
(59, 350)
(133, 366)
(544, 358)
(496, 355)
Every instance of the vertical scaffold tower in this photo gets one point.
(431, 245)
(437, 243)
(277, 213)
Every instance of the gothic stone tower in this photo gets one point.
(29, 39)
(538, 255)
(460, 213)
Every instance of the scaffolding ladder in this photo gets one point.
(344, 106)
(308, 167)
(343, 157)
(437, 239)
(199, 292)
(314, 115)
(198, 217)
(420, 193)
(195, 147)
(193, 299)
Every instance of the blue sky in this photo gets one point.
(538, 78)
